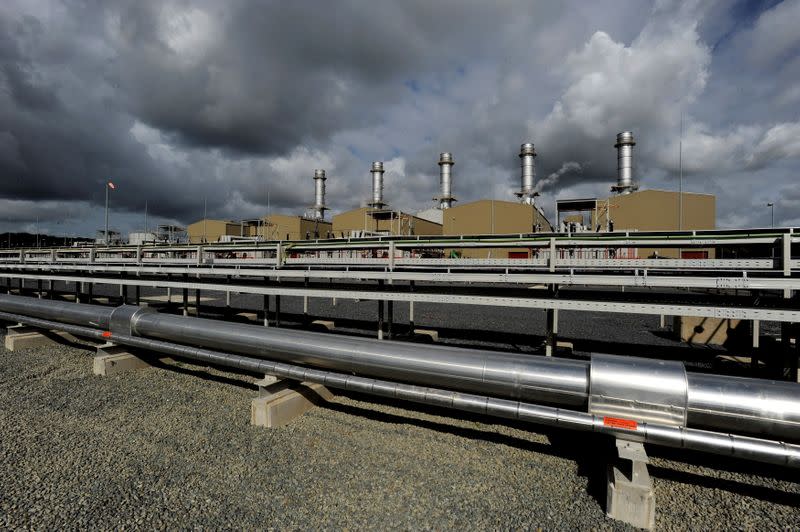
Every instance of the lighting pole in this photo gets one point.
(771, 206)
(105, 234)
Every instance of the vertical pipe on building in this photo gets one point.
(319, 194)
(377, 185)
(446, 163)
(527, 192)
(624, 146)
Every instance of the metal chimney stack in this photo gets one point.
(527, 191)
(377, 185)
(445, 198)
(319, 195)
(624, 146)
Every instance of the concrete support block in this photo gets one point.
(22, 337)
(706, 331)
(249, 316)
(630, 496)
(284, 401)
(112, 359)
(324, 324)
(430, 333)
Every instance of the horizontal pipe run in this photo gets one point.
(523, 377)
(752, 406)
(760, 450)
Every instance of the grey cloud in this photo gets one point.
(184, 100)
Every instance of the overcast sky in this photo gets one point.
(238, 101)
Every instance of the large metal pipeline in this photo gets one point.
(772, 452)
(629, 387)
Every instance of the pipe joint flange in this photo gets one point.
(123, 319)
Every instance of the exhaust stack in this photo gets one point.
(319, 207)
(624, 146)
(377, 186)
(527, 191)
(445, 198)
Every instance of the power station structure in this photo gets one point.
(620, 254)
(527, 156)
(624, 146)
(628, 208)
(270, 227)
(631, 209)
(445, 197)
(377, 218)
(319, 206)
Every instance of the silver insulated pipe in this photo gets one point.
(624, 146)
(527, 191)
(319, 194)
(377, 185)
(609, 386)
(446, 163)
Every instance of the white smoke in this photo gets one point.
(552, 179)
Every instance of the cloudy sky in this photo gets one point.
(237, 102)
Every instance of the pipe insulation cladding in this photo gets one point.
(377, 185)
(742, 405)
(767, 451)
(319, 194)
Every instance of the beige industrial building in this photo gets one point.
(368, 220)
(209, 230)
(287, 227)
(272, 227)
(633, 210)
(493, 217)
(645, 210)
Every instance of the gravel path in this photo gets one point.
(173, 448)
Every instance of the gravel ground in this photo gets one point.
(173, 448)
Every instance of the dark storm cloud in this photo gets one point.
(275, 74)
(235, 103)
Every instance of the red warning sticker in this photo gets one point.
(619, 423)
(106, 334)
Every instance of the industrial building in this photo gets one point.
(369, 221)
(288, 227)
(270, 227)
(209, 230)
(378, 219)
(630, 209)
(493, 217)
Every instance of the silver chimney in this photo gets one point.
(377, 186)
(319, 207)
(445, 198)
(624, 146)
(527, 191)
